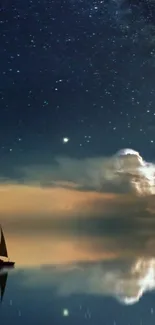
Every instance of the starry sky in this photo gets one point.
(83, 70)
(78, 84)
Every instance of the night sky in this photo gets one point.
(77, 84)
(84, 70)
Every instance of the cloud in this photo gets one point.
(100, 189)
(74, 188)
(126, 171)
(99, 210)
(98, 194)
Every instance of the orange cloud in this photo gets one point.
(18, 200)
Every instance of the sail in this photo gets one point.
(3, 249)
(3, 280)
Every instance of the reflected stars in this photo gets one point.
(152, 311)
(65, 312)
(87, 314)
(19, 313)
(10, 302)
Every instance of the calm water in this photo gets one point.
(77, 281)
(31, 297)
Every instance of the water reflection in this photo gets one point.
(110, 265)
(3, 282)
(110, 253)
(66, 277)
(120, 279)
(70, 294)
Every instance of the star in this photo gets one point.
(65, 140)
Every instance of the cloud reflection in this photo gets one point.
(125, 280)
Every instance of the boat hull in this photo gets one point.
(6, 264)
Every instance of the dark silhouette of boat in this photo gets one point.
(3, 252)
(3, 281)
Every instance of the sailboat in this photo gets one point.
(3, 281)
(4, 253)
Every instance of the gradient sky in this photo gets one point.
(78, 84)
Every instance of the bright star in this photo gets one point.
(65, 140)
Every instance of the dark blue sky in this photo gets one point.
(76, 69)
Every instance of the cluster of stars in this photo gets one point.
(77, 80)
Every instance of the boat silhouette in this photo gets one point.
(3, 281)
(4, 253)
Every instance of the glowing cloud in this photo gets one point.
(85, 210)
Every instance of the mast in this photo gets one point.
(3, 248)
